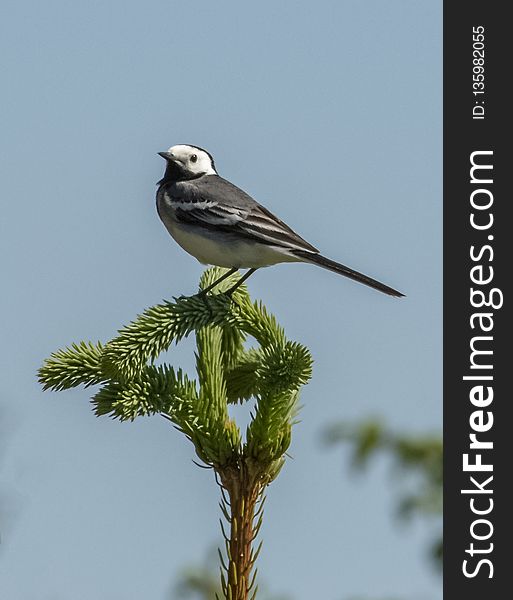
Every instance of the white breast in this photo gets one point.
(212, 248)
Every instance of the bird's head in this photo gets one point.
(187, 162)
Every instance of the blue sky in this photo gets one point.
(329, 113)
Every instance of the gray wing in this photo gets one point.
(214, 203)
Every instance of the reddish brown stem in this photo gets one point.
(244, 494)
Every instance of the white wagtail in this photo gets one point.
(219, 224)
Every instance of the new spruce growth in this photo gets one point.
(227, 372)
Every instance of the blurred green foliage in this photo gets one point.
(417, 458)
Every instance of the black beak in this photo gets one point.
(166, 155)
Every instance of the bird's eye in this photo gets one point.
(194, 158)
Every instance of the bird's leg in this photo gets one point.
(247, 274)
(205, 291)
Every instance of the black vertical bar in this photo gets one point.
(477, 130)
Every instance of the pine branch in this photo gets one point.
(226, 372)
(281, 373)
(156, 390)
(158, 327)
(268, 435)
(254, 319)
(79, 364)
(242, 380)
(285, 367)
(210, 369)
(211, 405)
(274, 367)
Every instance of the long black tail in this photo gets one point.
(336, 267)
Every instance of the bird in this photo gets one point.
(219, 224)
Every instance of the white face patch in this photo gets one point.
(196, 161)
